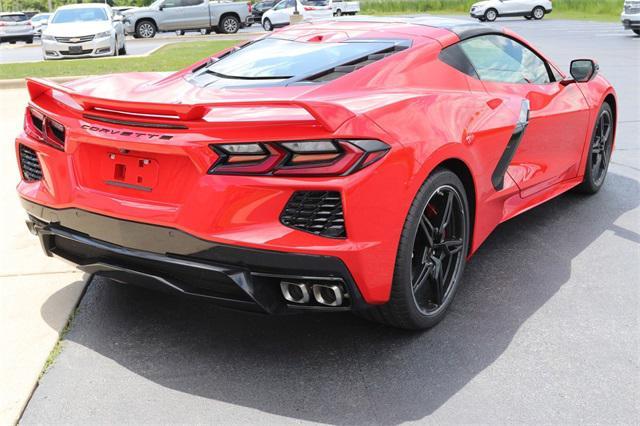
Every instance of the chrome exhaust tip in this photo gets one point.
(295, 292)
(328, 294)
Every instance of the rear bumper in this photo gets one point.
(170, 260)
(631, 22)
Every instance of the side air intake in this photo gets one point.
(31, 170)
(317, 212)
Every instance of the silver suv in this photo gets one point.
(15, 26)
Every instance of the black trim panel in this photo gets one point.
(170, 259)
(497, 177)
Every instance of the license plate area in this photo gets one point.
(75, 49)
(128, 171)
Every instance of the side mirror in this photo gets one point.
(583, 70)
(161, 7)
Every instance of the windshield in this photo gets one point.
(315, 2)
(39, 18)
(84, 14)
(276, 58)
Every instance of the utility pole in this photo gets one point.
(49, 5)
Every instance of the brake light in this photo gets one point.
(44, 129)
(308, 8)
(298, 158)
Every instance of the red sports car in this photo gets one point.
(353, 164)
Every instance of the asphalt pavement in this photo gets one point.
(545, 327)
(22, 52)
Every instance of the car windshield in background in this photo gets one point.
(276, 58)
(84, 14)
(14, 18)
(315, 2)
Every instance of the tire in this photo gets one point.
(404, 309)
(180, 32)
(490, 15)
(636, 31)
(146, 29)
(123, 50)
(29, 40)
(338, 12)
(599, 152)
(482, 19)
(267, 25)
(229, 24)
(538, 13)
(528, 18)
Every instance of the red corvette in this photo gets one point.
(353, 164)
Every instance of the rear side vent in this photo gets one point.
(31, 170)
(317, 212)
(339, 71)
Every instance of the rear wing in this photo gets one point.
(329, 115)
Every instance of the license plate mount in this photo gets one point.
(133, 172)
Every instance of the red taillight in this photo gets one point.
(250, 7)
(44, 129)
(297, 158)
(308, 8)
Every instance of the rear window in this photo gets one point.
(18, 17)
(315, 2)
(274, 58)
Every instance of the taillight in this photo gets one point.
(298, 158)
(308, 8)
(249, 6)
(44, 129)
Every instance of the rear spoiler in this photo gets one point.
(330, 115)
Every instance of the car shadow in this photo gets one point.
(337, 368)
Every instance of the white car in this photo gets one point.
(281, 13)
(82, 31)
(630, 16)
(491, 9)
(15, 26)
(345, 7)
(39, 22)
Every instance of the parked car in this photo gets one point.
(39, 22)
(489, 10)
(281, 13)
(82, 31)
(176, 15)
(260, 8)
(301, 172)
(345, 7)
(15, 26)
(631, 15)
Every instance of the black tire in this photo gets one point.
(528, 18)
(338, 12)
(599, 152)
(207, 31)
(490, 15)
(482, 19)
(538, 13)
(636, 31)
(267, 25)
(123, 50)
(405, 309)
(180, 32)
(229, 24)
(146, 29)
(29, 40)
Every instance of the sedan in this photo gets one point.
(83, 30)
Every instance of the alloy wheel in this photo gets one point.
(538, 13)
(438, 249)
(146, 30)
(230, 26)
(601, 147)
(491, 15)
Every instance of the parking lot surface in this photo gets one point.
(22, 52)
(545, 327)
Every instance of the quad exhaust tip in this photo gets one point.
(323, 294)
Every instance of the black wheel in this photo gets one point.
(229, 24)
(528, 18)
(338, 12)
(180, 32)
(490, 15)
(206, 31)
(431, 255)
(599, 152)
(145, 29)
(29, 40)
(538, 12)
(637, 32)
(122, 50)
(266, 24)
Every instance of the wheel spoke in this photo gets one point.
(427, 228)
(453, 246)
(596, 165)
(446, 215)
(423, 277)
(438, 278)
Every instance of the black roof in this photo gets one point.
(463, 29)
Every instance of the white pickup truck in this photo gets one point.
(180, 15)
(345, 7)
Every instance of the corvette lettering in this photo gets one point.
(142, 135)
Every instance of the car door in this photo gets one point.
(281, 12)
(184, 14)
(513, 7)
(551, 147)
